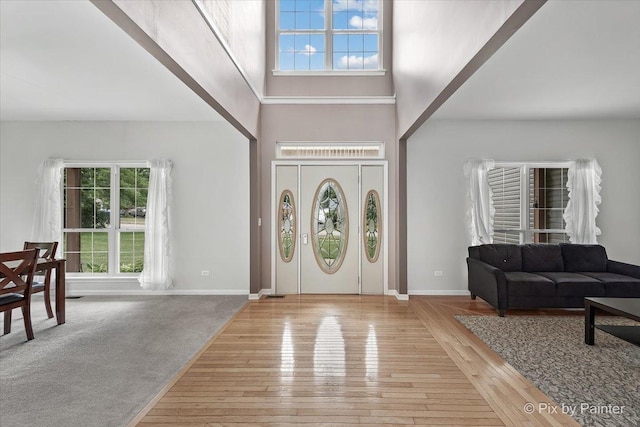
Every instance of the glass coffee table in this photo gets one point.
(625, 307)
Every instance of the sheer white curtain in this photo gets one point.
(480, 209)
(47, 219)
(156, 274)
(583, 182)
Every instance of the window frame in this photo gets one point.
(526, 233)
(328, 33)
(113, 270)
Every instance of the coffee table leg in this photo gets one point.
(589, 323)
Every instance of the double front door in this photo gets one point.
(329, 229)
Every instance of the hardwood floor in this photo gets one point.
(325, 360)
(504, 389)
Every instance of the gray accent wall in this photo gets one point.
(324, 123)
(437, 223)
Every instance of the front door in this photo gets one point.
(329, 229)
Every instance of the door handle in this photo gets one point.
(305, 239)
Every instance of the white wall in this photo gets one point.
(242, 25)
(437, 237)
(210, 187)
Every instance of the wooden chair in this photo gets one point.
(43, 283)
(16, 275)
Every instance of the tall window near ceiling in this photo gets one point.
(319, 35)
(529, 202)
(104, 218)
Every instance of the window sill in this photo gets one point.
(345, 73)
(71, 278)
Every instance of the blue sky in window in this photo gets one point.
(307, 51)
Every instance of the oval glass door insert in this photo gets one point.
(372, 223)
(287, 215)
(329, 226)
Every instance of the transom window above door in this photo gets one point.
(328, 35)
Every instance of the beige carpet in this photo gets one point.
(597, 385)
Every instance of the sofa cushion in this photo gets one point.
(527, 284)
(575, 285)
(617, 285)
(503, 256)
(577, 258)
(537, 257)
(474, 252)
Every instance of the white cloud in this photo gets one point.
(308, 50)
(367, 23)
(359, 62)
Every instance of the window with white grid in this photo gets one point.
(319, 35)
(104, 218)
(529, 202)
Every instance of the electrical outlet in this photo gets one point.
(438, 273)
(204, 273)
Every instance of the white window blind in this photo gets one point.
(505, 185)
(529, 203)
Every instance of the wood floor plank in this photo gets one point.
(331, 360)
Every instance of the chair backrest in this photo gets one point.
(45, 249)
(16, 271)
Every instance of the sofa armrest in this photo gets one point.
(487, 282)
(623, 268)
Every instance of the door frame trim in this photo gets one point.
(346, 162)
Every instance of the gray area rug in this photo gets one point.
(111, 357)
(551, 353)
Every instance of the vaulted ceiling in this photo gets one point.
(65, 60)
(571, 60)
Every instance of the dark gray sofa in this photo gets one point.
(547, 276)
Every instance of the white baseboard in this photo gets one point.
(107, 292)
(121, 292)
(260, 294)
(400, 297)
(440, 292)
